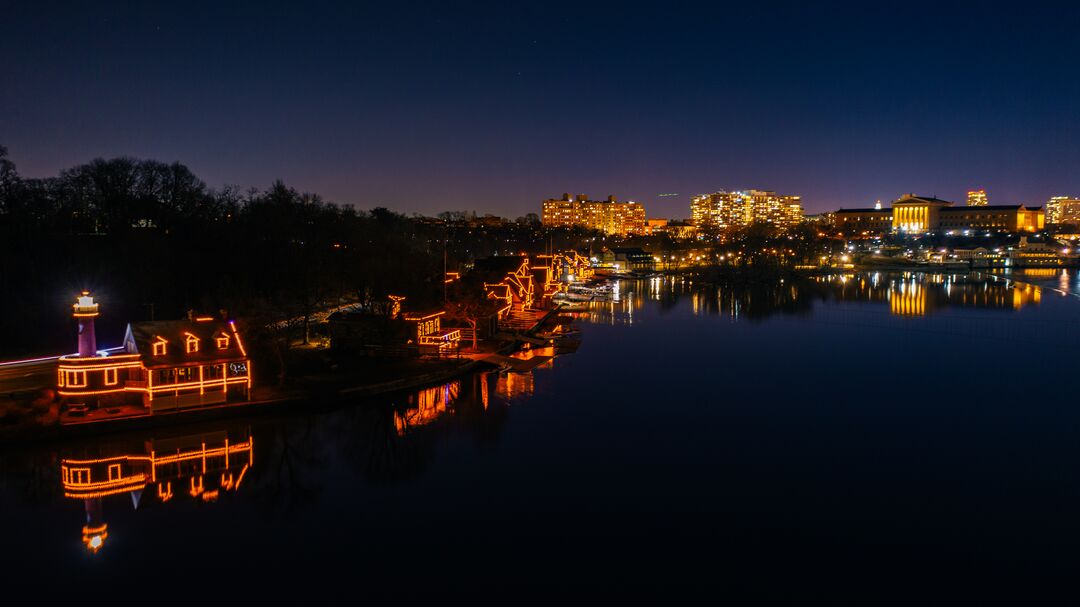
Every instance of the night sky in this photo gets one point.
(494, 107)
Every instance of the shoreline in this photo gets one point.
(288, 401)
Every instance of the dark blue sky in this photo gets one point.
(495, 107)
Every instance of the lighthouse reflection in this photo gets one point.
(203, 467)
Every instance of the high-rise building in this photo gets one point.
(1063, 209)
(725, 210)
(977, 198)
(609, 216)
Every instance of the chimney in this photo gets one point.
(85, 310)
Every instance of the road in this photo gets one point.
(27, 376)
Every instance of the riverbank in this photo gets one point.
(312, 393)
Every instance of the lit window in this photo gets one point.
(76, 379)
(159, 347)
(222, 341)
(114, 472)
(110, 377)
(191, 343)
(60, 378)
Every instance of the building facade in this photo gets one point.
(976, 198)
(912, 214)
(726, 210)
(1063, 209)
(863, 222)
(164, 364)
(609, 216)
(994, 218)
(628, 259)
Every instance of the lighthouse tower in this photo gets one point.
(85, 312)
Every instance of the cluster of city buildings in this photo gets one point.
(723, 210)
(716, 211)
(911, 214)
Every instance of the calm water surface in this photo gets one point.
(867, 438)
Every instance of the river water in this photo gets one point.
(865, 438)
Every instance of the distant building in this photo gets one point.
(725, 210)
(1063, 209)
(864, 222)
(1034, 254)
(608, 216)
(1001, 218)
(976, 198)
(917, 214)
(381, 328)
(629, 259)
(911, 214)
(681, 230)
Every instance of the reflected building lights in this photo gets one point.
(913, 295)
(204, 465)
(511, 386)
(426, 406)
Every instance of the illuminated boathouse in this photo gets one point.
(163, 364)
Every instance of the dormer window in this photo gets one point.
(191, 344)
(222, 341)
(160, 346)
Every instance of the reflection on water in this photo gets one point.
(912, 294)
(435, 403)
(905, 294)
(128, 476)
(426, 406)
(623, 436)
(201, 466)
(512, 386)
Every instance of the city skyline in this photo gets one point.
(494, 110)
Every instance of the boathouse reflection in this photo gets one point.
(432, 404)
(385, 442)
(200, 466)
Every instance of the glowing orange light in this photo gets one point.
(94, 537)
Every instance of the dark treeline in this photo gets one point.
(152, 240)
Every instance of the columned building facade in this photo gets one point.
(911, 214)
